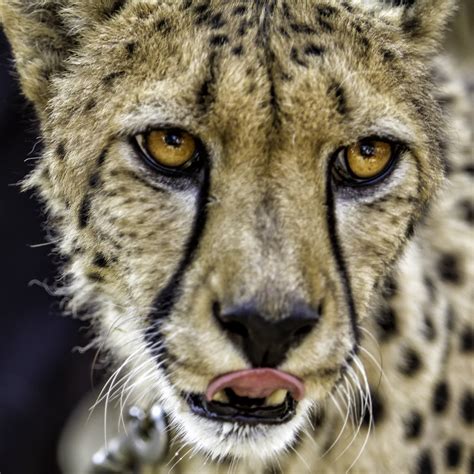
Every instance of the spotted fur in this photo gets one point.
(273, 89)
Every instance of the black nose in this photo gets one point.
(263, 341)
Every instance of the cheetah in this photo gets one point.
(265, 210)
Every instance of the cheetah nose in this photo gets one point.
(257, 383)
(263, 341)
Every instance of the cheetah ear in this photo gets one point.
(423, 22)
(43, 35)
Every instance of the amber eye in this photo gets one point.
(368, 159)
(170, 148)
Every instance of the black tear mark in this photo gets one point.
(130, 48)
(167, 297)
(338, 92)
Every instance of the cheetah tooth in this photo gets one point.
(277, 397)
(221, 397)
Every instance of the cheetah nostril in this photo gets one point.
(264, 341)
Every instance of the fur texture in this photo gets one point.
(273, 89)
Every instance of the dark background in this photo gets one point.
(41, 378)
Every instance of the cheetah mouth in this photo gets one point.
(251, 397)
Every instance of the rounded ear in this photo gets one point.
(40, 43)
(423, 22)
(42, 35)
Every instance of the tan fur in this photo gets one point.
(271, 112)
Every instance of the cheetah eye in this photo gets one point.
(168, 149)
(365, 162)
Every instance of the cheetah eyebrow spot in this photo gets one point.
(337, 91)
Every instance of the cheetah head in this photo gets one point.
(229, 183)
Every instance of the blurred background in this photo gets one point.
(41, 377)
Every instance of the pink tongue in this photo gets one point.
(257, 383)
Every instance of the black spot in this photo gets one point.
(302, 28)
(313, 50)
(424, 463)
(378, 410)
(467, 339)
(467, 211)
(467, 408)
(116, 7)
(109, 79)
(61, 151)
(389, 288)
(327, 10)
(430, 286)
(453, 453)
(448, 268)
(130, 48)
(413, 426)
(91, 104)
(219, 40)
(238, 50)
(100, 261)
(325, 26)
(429, 330)
(471, 463)
(468, 169)
(440, 397)
(386, 322)
(97, 277)
(162, 26)
(84, 212)
(201, 8)
(338, 92)
(387, 55)
(240, 10)
(217, 21)
(243, 27)
(411, 362)
(411, 25)
(295, 57)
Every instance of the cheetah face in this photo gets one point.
(231, 184)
